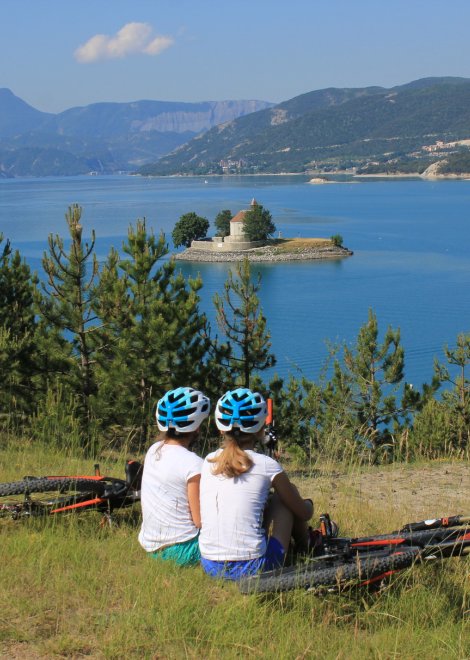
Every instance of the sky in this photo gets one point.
(58, 54)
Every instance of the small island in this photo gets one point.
(248, 235)
(281, 249)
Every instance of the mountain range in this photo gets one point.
(406, 128)
(102, 137)
(332, 129)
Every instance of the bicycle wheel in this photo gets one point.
(331, 572)
(38, 496)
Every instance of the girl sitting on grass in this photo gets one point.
(170, 482)
(242, 531)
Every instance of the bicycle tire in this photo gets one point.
(43, 495)
(326, 572)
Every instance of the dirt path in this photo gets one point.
(397, 494)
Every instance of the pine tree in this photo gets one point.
(18, 327)
(67, 305)
(457, 398)
(153, 336)
(370, 381)
(241, 320)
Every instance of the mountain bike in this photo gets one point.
(341, 563)
(54, 495)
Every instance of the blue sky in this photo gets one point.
(56, 54)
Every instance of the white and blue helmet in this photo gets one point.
(241, 409)
(183, 409)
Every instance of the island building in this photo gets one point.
(235, 241)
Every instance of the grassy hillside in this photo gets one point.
(71, 588)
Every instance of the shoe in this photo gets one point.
(334, 529)
(315, 541)
(328, 528)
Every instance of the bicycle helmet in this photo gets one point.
(241, 409)
(183, 409)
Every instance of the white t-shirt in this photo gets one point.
(166, 517)
(232, 510)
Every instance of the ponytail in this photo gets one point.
(233, 459)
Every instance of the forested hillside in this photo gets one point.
(331, 129)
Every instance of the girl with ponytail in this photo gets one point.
(242, 532)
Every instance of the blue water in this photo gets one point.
(410, 239)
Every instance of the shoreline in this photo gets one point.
(434, 177)
(315, 180)
(266, 254)
(385, 175)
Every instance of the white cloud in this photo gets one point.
(132, 38)
(158, 44)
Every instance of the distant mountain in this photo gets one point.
(330, 129)
(102, 137)
(16, 116)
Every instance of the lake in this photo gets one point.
(410, 239)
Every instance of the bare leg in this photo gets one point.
(281, 523)
(278, 521)
(300, 535)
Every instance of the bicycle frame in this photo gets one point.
(52, 495)
(341, 562)
(449, 536)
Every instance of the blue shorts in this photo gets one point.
(183, 554)
(234, 570)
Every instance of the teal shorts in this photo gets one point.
(183, 554)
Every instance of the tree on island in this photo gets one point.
(190, 227)
(258, 224)
(222, 222)
(337, 240)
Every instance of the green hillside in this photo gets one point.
(330, 129)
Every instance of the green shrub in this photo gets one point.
(337, 240)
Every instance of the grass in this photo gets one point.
(299, 244)
(73, 589)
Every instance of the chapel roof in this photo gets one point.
(239, 217)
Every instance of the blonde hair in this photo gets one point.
(233, 459)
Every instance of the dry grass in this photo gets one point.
(390, 496)
(71, 589)
(298, 244)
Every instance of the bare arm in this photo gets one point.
(193, 499)
(290, 497)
